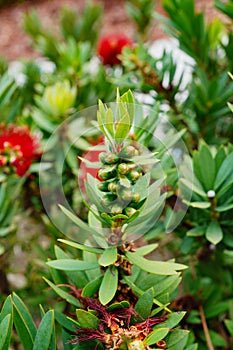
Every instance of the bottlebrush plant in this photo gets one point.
(115, 311)
(114, 297)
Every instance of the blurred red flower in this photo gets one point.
(92, 156)
(109, 47)
(18, 148)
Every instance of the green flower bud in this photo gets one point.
(123, 168)
(126, 195)
(103, 186)
(136, 197)
(116, 209)
(113, 186)
(134, 175)
(106, 173)
(129, 151)
(108, 158)
(108, 199)
(129, 211)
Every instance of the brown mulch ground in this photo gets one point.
(15, 44)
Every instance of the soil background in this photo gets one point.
(15, 44)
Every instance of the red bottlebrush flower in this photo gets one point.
(18, 148)
(109, 47)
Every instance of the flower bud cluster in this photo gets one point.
(118, 176)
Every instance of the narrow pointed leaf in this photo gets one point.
(77, 220)
(7, 310)
(92, 287)
(207, 168)
(81, 246)
(5, 332)
(144, 304)
(155, 267)
(64, 295)
(45, 331)
(191, 186)
(109, 122)
(199, 205)
(156, 335)
(147, 249)
(177, 339)
(24, 324)
(72, 265)
(224, 172)
(172, 321)
(122, 128)
(224, 207)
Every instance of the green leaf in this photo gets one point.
(144, 304)
(191, 186)
(108, 257)
(167, 285)
(42, 121)
(45, 331)
(78, 221)
(214, 232)
(7, 310)
(156, 335)
(71, 265)
(93, 193)
(155, 267)
(64, 295)
(109, 285)
(6, 230)
(196, 231)
(207, 167)
(101, 118)
(217, 339)
(229, 326)
(79, 278)
(128, 98)
(86, 319)
(92, 287)
(81, 246)
(5, 332)
(199, 205)
(177, 339)
(139, 291)
(122, 129)
(224, 207)
(64, 321)
(90, 164)
(224, 172)
(172, 321)
(109, 122)
(23, 322)
(214, 309)
(147, 249)
(118, 305)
